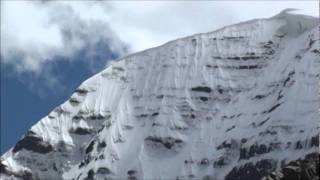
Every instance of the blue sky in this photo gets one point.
(26, 98)
(49, 47)
(21, 106)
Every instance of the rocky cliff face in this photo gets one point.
(241, 102)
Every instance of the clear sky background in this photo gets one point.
(49, 47)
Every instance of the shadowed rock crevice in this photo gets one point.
(252, 171)
(32, 142)
(301, 169)
(167, 142)
(201, 89)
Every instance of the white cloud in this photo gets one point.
(35, 32)
(144, 24)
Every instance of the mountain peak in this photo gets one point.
(296, 24)
(228, 104)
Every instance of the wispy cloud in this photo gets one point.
(34, 34)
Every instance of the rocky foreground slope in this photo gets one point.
(238, 103)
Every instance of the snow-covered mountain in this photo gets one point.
(241, 102)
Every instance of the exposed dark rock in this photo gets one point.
(252, 171)
(274, 146)
(101, 156)
(291, 173)
(204, 162)
(262, 122)
(101, 128)
(317, 51)
(280, 35)
(280, 95)
(267, 45)
(85, 161)
(211, 66)
(253, 150)
(298, 145)
(132, 178)
(301, 169)
(314, 141)
(291, 73)
(216, 57)
(160, 96)
(228, 117)
(103, 170)
(220, 90)
(3, 169)
(54, 167)
(81, 131)
(233, 58)
(229, 129)
(272, 108)
(118, 68)
(204, 99)
(270, 42)
(219, 163)
(227, 145)
(26, 175)
(268, 131)
(286, 81)
(33, 142)
(81, 91)
(262, 149)
(298, 56)
(61, 146)
(232, 38)
(155, 114)
(77, 117)
(259, 97)
(90, 175)
(194, 42)
(124, 79)
(81, 164)
(101, 145)
(208, 177)
(74, 101)
(99, 117)
(90, 147)
(156, 124)
(167, 142)
(142, 115)
(59, 110)
(250, 57)
(79, 176)
(243, 140)
(201, 89)
(132, 172)
(243, 153)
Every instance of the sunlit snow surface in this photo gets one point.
(186, 109)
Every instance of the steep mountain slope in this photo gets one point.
(241, 102)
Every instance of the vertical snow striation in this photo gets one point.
(241, 102)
